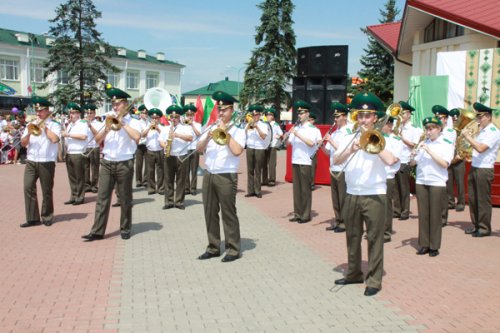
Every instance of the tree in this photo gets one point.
(272, 63)
(77, 53)
(378, 64)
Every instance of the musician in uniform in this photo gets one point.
(485, 149)
(432, 157)
(256, 131)
(314, 159)
(456, 175)
(93, 151)
(220, 182)
(303, 137)
(193, 161)
(269, 172)
(337, 177)
(410, 136)
(141, 170)
(40, 164)
(174, 140)
(117, 166)
(75, 135)
(154, 153)
(365, 176)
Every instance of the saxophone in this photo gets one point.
(168, 146)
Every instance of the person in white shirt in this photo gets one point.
(303, 137)
(257, 132)
(75, 134)
(432, 156)
(41, 163)
(93, 151)
(410, 136)
(337, 177)
(141, 170)
(154, 155)
(117, 166)
(174, 140)
(485, 150)
(456, 173)
(220, 182)
(269, 172)
(193, 160)
(366, 180)
(314, 157)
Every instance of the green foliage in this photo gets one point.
(378, 63)
(77, 53)
(272, 63)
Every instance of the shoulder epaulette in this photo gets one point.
(348, 130)
(450, 129)
(385, 135)
(83, 120)
(58, 123)
(493, 128)
(311, 125)
(396, 137)
(446, 140)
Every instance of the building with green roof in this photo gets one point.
(233, 88)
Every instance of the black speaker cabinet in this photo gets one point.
(322, 61)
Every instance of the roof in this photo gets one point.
(387, 34)
(40, 41)
(233, 88)
(479, 15)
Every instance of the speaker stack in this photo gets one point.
(321, 79)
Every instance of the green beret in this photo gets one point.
(366, 102)
(271, 111)
(115, 93)
(155, 111)
(142, 107)
(39, 102)
(313, 115)
(190, 108)
(338, 108)
(432, 120)
(224, 99)
(440, 110)
(255, 108)
(72, 106)
(89, 106)
(175, 109)
(406, 106)
(301, 106)
(454, 112)
(481, 108)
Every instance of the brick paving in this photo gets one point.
(51, 281)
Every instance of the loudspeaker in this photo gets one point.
(302, 61)
(322, 61)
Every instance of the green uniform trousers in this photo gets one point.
(141, 174)
(314, 164)
(338, 191)
(255, 164)
(429, 201)
(402, 192)
(32, 172)
(269, 170)
(456, 173)
(120, 174)
(389, 210)
(369, 209)
(302, 194)
(155, 167)
(75, 164)
(479, 193)
(193, 162)
(92, 162)
(175, 173)
(219, 194)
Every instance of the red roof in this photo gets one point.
(480, 15)
(387, 34)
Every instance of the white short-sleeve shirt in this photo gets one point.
(40, 148)
(219, 158)
(490, 136)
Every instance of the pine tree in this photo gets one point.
(378, 63)
(78, 53)
(272, 63)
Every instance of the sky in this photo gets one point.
(213, 39)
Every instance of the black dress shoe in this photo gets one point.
(94, 190)
(471, 230)
(168, 206)
(125, 236)
(271, 184)
(387, 240)
(181, 207)
(151, 192)
(88, 189)
(47, 223)
(229, 258)
(258, 195)
(29, 224)
(161, 193)
(193, 192)
(76, 203)
(116, 204)
(344, 281)
(481, 234)
(433, 253)
(370, 291)
(92, 237)
(396, 216)
(451, 206)
(460, 208)
(208, 255)
(294, 219)
(138, 185)
(423, 250)
(69, 202)
(338, 229)
(249, 195)
(330, 228)
(303, 221)
(402, 218)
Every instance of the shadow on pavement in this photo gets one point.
(69, 217)
(247, 244)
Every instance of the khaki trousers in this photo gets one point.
(479, 193)
(338, 191)
(391, 184)
(140, 172)
(255, 163)
(370, 210)
(302, 194)
(269, 171)
(75, 164)
(192, 173)
(32, 172)
(92, 163)
(155, 167)
(314, 164)
(456, 173)
(429, 201)
(111, 174)
(175, 173)
(402, 191)
(219, 194)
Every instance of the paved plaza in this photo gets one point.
(52, 281)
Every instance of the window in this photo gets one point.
(9, 69)
(62, 77)
(439, 29)
(152, 80)
(113, 79)
(37, 73)
(132, 80)
(107, 107)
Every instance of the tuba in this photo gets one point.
(463, 147)
(465, 117)
(157, 98)
(394, 110)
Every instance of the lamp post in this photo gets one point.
(239, 69)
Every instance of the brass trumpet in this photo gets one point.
(36, 129)
(372, 141)
(187, 121)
